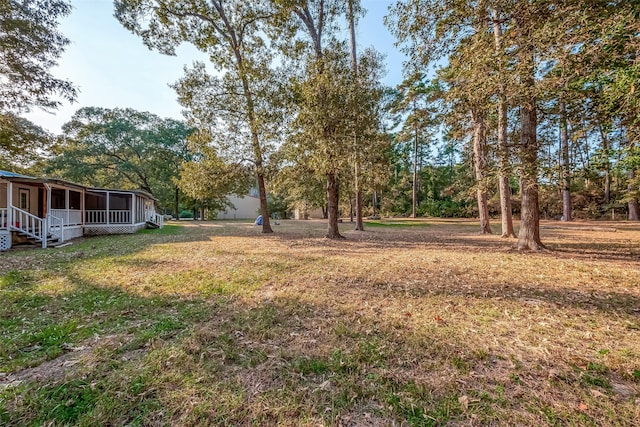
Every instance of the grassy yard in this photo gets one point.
(419, 323)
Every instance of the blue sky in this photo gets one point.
(112, 68)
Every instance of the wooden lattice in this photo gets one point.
(112, 229)
(5, 240)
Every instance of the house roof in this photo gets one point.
(7, 174)
(12, 176)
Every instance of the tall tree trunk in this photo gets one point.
(374, 202)
(607, 186)
(504, 171)
(264, 210)
(176, 202)
(332, 206)
(414, 192)
(529, 235)
(351, 203)
(566, 177)
(634, 206)
(480, 163)
(255, 142)
(354, 69)
(607, 165)
(358, 195)
(257, 154)
(315, 30)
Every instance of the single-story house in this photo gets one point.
(301, 213)
(245, 207)
(46, 211)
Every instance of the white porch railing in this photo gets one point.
(69, 216)
(28, 224)
(156, 219)
(3, 219)
(95, 217)
(56, 227)
(107, 217)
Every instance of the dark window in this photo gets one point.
(57, 199)
(119, 202)
(95, 202)
(74, 200)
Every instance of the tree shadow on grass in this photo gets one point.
(313, 356)
(561, 243)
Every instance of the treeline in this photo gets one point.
(531, 111)
(540, 90)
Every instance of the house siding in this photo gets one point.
(247, 207)
(33, 196)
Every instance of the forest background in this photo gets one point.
(531, 110)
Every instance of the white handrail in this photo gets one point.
(28, 224)
(157, 219)
(56, 227)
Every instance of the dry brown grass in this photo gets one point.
(427, 324)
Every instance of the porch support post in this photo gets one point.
(66, 207)
(48, 187)
(9, 204)
(47, 209)
(108, 197)
(133, 209)
(83, 196)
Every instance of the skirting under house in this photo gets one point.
(99, 230)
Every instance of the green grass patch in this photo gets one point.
(167, 230)
(213, 323)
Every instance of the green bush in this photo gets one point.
(186, 214)
(441, 208)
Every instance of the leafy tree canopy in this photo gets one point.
(209, 179)
(122, 148)
(30, 46)
(22, 143)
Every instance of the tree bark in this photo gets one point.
(566, 177)
(374, 202)
(414, 192)
(529, 235)
(480, 163)
(359, 220)
(315, 30)
(177, 203)
(506, 212)
(351, 203)
(607, 165)
(264, 211)
(634, 206)
(607, 186)
(235, 43)
(332, 207)
(257, 153)
(255, 142)
(354, 69)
